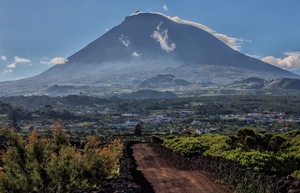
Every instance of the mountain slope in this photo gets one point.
(141, 47)
(154, 38)
(249, 83)
(162, 80)
(285, 83)
(148, 94)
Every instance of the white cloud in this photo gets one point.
(125, 41)
(3, 57)
(135, 54)
(21, 60)
(162, 37)
(44, 60)
(12, 65)
(254, 56)
(234, 43)
(19, 78)
(58, 60)
(53, 61)
(290, 61)
(7, 71)
(165, 8)
(9, 68)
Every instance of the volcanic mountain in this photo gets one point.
(143, 46)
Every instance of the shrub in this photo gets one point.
(156, 139)
(38, 164)
(261, 152)
(185, 146)
(195, 135)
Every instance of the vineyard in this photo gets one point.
(273, 154)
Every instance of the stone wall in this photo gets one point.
(125, 182)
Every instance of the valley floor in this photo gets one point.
(165, 178)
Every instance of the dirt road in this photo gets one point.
(165, 178)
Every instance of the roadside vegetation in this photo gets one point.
(269, 153)
(41, 163)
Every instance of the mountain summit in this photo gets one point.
(143, 46)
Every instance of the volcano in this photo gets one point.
(143, 46)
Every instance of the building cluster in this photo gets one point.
(264, 117)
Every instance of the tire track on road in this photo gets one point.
(166, 179)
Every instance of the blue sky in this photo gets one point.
(37, 34)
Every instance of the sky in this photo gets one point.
(38, 34)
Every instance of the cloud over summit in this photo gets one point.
(124, 40)
(233, 42)
(162, 37)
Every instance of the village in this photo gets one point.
(108, 122)
(95, 116)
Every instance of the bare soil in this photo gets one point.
(165, 178)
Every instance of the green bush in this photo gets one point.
(195, 135)
(264, 162)
(296, 174)
(156, 139)
(39, 164)
(262, 152)
(171, 136)
(185, 146)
